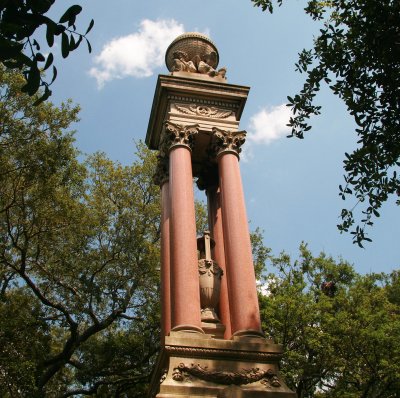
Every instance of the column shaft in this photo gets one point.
(165, 263)
(216, 228)
(185, 290)
(243, 299)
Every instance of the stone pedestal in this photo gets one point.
(205, 367)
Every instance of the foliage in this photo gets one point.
(340, 330)
(19, 49)
(357, 54)
(201, 217)
(79, 248)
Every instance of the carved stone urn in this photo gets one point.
(210, 280)
(192, 44)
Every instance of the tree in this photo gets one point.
(339, 329)
(79, 249)
(19, 49)
(357, 54)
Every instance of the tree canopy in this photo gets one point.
(340, 330)
(357, 54)
(19, 43)
(78, 257)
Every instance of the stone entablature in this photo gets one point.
(221, 104)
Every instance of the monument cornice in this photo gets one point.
(200, 91)
(239, 349)
(236, 355)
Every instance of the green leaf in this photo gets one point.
(49, 61)
(72, 43)
(33, 81)
(89, 46)
(70, 13)
(54, 75)
(36, 44)
(40, 57)
(44, 97)
(90, 27)
(64, 45)
(50, 33)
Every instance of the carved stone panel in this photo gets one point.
(185, 373)
(212, 112)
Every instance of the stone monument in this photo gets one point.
(212, 342)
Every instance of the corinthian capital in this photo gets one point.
(227, 141)
(177, 134)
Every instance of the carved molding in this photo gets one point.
(208, 102)
(178, 134)
(227, 141)
(162, 170)
(246, 376)
(203, 110)
(199, 352)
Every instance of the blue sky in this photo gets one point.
(291, 185)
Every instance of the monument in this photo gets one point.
(212, 342)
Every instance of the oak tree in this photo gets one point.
(78, 252)
(339, 329)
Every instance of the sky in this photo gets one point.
(290, 185)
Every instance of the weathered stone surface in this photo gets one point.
(207, 367)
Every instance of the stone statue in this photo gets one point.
(204, 65)
(182, 64)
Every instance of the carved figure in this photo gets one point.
(182, 64)
(204, 65)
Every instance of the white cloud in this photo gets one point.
(269, 124)
(137, 54)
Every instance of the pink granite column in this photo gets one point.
(243, 301)
(161, 178)
(215, 225)
(165, 262)
(185, 290)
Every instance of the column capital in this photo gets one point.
(178, 135)
(225, 141)
(162, 170)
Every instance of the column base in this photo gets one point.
(215, 330)
(212, 368)
(187, 329)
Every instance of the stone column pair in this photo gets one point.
(228, 221)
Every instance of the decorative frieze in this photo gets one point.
(203, 110)
(178, 135)
(201, 101)
(227, 141)
(185, 373)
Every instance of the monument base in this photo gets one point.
(201, 366)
